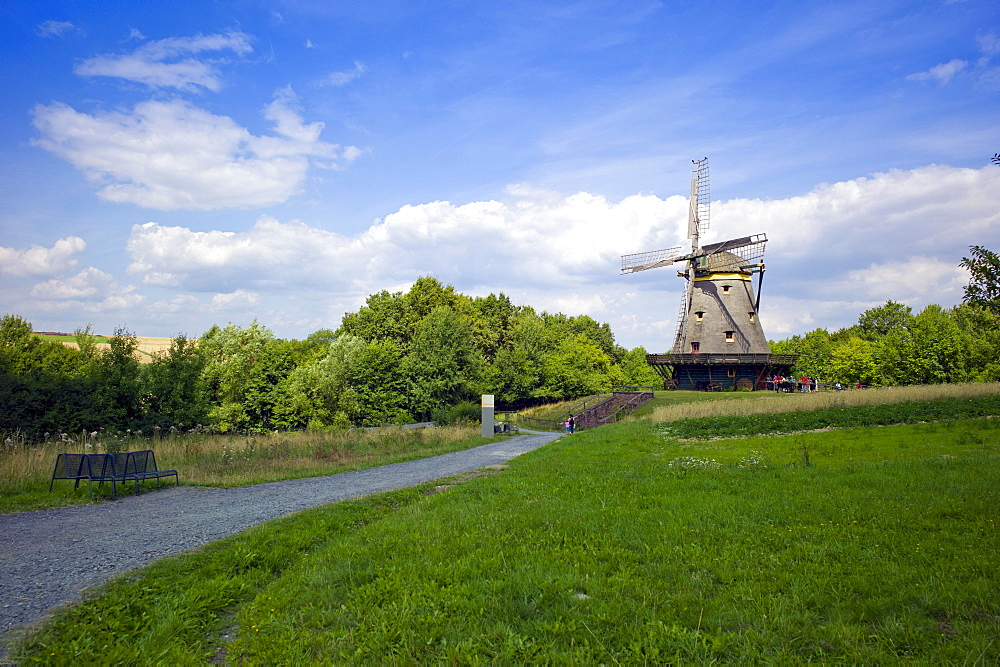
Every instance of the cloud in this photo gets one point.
(343, 78)
(39, 261)
(942, 73)
(55, 29)
(909, 280)
(569, 238)
(162, 63)
(989, 44)
(90, 290)
(172, 155)
(239, 300)
(833, 252)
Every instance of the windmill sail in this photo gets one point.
(650, 259)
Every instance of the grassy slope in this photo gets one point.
(614, 545)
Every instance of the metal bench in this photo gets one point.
(118, 467)
(141, 465)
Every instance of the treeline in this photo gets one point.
(428, 353)
(890, 346)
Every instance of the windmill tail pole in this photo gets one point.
(760, 281)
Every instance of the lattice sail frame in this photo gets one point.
(650, 259)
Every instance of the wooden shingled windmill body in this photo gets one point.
(719, 342)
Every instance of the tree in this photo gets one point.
(814, 350)
(118, 383)
(983, 289)
(982, 329)
(855, 360)
(175, 385)
(876, 323)
(577, 367)
(243, 367)
(43, 384)
(442, 364)
(636, 372)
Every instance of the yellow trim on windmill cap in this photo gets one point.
(726, 276)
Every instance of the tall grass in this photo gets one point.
(766, 403)
(220, 460)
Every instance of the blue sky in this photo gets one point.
(173, 165)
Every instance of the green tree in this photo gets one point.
(377, 386)
(493, 324)
(983, 289)
(982, 331)
(243, 367)
(636, 372)
(577, 367)
(876, 323)
(43, 384)
(855, 360)
(814, 350)
(442, 364)
(932, 350)
(118, 383)
(516, 371)
(177, 393)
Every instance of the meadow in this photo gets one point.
(624, 544)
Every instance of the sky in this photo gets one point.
(167, 166)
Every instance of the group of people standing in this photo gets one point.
(788, 384)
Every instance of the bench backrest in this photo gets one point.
(141, 462)
(72, 465)
(84, 465)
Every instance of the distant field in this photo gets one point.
(148, 345)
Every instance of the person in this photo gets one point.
(571, 424)
(804, 384)
(838, 386)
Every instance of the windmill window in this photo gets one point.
(725, 289)
(729, 336)
(695, 347)
(752, 316)
(731, 372)
(699, 316)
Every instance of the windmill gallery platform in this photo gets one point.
(719, 342)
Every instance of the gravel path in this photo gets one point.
(47, 557)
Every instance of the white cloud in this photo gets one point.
(163, 63)
(55, 28)
(942, 73)
(915, 279)
(238, 300)
(172, 155)
(40, 261)
(90, 290)
(833, 253)
(343, 78)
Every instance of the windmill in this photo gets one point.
(719, 340)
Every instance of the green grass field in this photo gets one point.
(620, 545)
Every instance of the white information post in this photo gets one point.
(487, 416)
